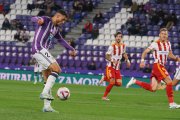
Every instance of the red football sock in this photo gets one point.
(108, 89)
(144, 85)
(169, 92)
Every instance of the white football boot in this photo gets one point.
(105, 99)
(174, 106)
(131, 82)
(49, 109)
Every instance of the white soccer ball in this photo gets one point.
(63, 93)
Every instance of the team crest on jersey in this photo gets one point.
(52, 33)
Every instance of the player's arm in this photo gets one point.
(38, 20)
(146, 51)
(63, 42)
(173, 57)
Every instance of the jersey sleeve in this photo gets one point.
(169, 46)
(62, 41)
(58, 34)
(152, 46)
(110, 50)
(36, 18)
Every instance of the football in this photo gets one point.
(63, 93)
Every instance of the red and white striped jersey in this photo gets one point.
(116, 51)
(161, 51)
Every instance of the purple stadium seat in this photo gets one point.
(71, 63)
(155, 33)
(89, 59)
(20, 59)
(175, 34)
(7, 58)
(2, 48)
(64, 63)
(26, 59)
(101, 54)
(95, 53)
(150, 33)
(13, 59)
(83, 58)
(2, 57)
(84, 65)
(77, 64)
(88, 53)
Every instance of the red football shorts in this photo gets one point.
(112, 73)
(159, 72)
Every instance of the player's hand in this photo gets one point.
(142, 64)
(72, 53)
(40, 21)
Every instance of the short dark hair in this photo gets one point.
(62, 12)
(163, 29)
(117, 33)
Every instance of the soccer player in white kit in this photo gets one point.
(48, 28)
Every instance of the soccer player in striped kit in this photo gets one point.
(161, 51)
(113, 57)
(48, 28)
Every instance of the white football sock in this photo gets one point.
(40, 77)
(35, 79)
(49, 84)
(47, 103)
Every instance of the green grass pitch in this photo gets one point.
(20, 101)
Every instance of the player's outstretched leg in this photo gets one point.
(147, 86)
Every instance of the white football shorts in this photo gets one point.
(44, 58)
(177, 74)
(37, 68)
